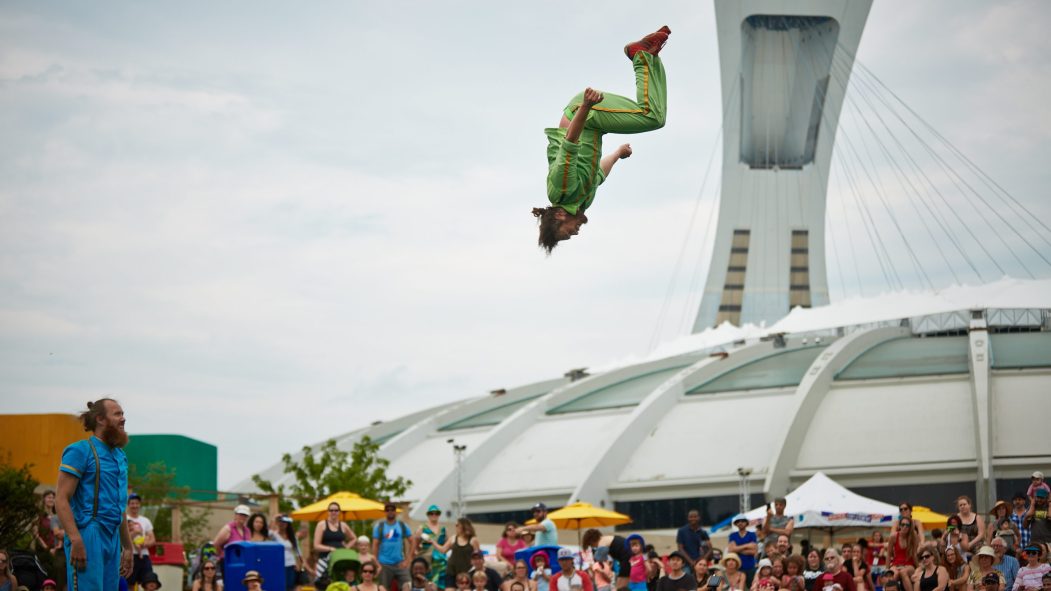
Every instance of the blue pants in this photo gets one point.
(102, 572)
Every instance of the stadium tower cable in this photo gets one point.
(874, 179)
(986, 179)
(860, 88)
(899, 174)
(887, 266)
(952, 171)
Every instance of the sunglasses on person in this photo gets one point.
(333, 510)
(369, 571)
(926, 556)
(434, 513)
(209, 568)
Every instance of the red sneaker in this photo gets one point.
(651, 44)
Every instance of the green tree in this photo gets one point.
(330, 470)
(19, 505)
(159, 493)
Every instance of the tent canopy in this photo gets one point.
(821, 502)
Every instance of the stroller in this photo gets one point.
(207, 552)
(27, 569)
(340, 562)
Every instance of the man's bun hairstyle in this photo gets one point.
(90, 417)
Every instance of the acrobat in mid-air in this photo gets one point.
(574, 149)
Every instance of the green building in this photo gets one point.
(196, 463)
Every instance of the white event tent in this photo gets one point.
(822, 502)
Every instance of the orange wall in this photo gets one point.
(38, 440)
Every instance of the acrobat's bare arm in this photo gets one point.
(592, 97)
(610, 159)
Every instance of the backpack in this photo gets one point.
(378, 528)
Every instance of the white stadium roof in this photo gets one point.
(811, 393)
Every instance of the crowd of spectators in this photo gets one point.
(1007, 549)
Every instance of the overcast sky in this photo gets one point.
(261, 224)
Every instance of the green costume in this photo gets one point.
(574, 173)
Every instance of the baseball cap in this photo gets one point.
(477, 554)
(565, 554)
(539, 507)
(1041, 493)
(134, 496)
(389, 505)
(243, 510)
(434, 509)
(285, 519)
(765, 563)
(1038, 474)
(739, 517)
(991, 579)
(49, 582)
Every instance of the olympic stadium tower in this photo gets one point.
(911, 395)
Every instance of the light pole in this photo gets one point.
(742, 488)
(458, 451)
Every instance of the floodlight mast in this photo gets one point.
(744, 503)
(458, 451)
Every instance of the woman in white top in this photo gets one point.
(283, 533)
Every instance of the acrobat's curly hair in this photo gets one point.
(549, 225)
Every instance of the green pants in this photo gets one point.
(619, 114)
(574, 171)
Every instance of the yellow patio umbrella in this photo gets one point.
(581, 516)
(585, 515)
(352, 506)
(928, 518)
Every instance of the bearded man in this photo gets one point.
(91, 499)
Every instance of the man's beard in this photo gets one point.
(114, 436)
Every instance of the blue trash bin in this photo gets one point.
(268, 558)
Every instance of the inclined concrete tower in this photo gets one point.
(784, 66)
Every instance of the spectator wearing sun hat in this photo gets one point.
(735, 577)
(985, 558)
(235, 531)
(252, 581)
(569, 577)
(430, 537)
